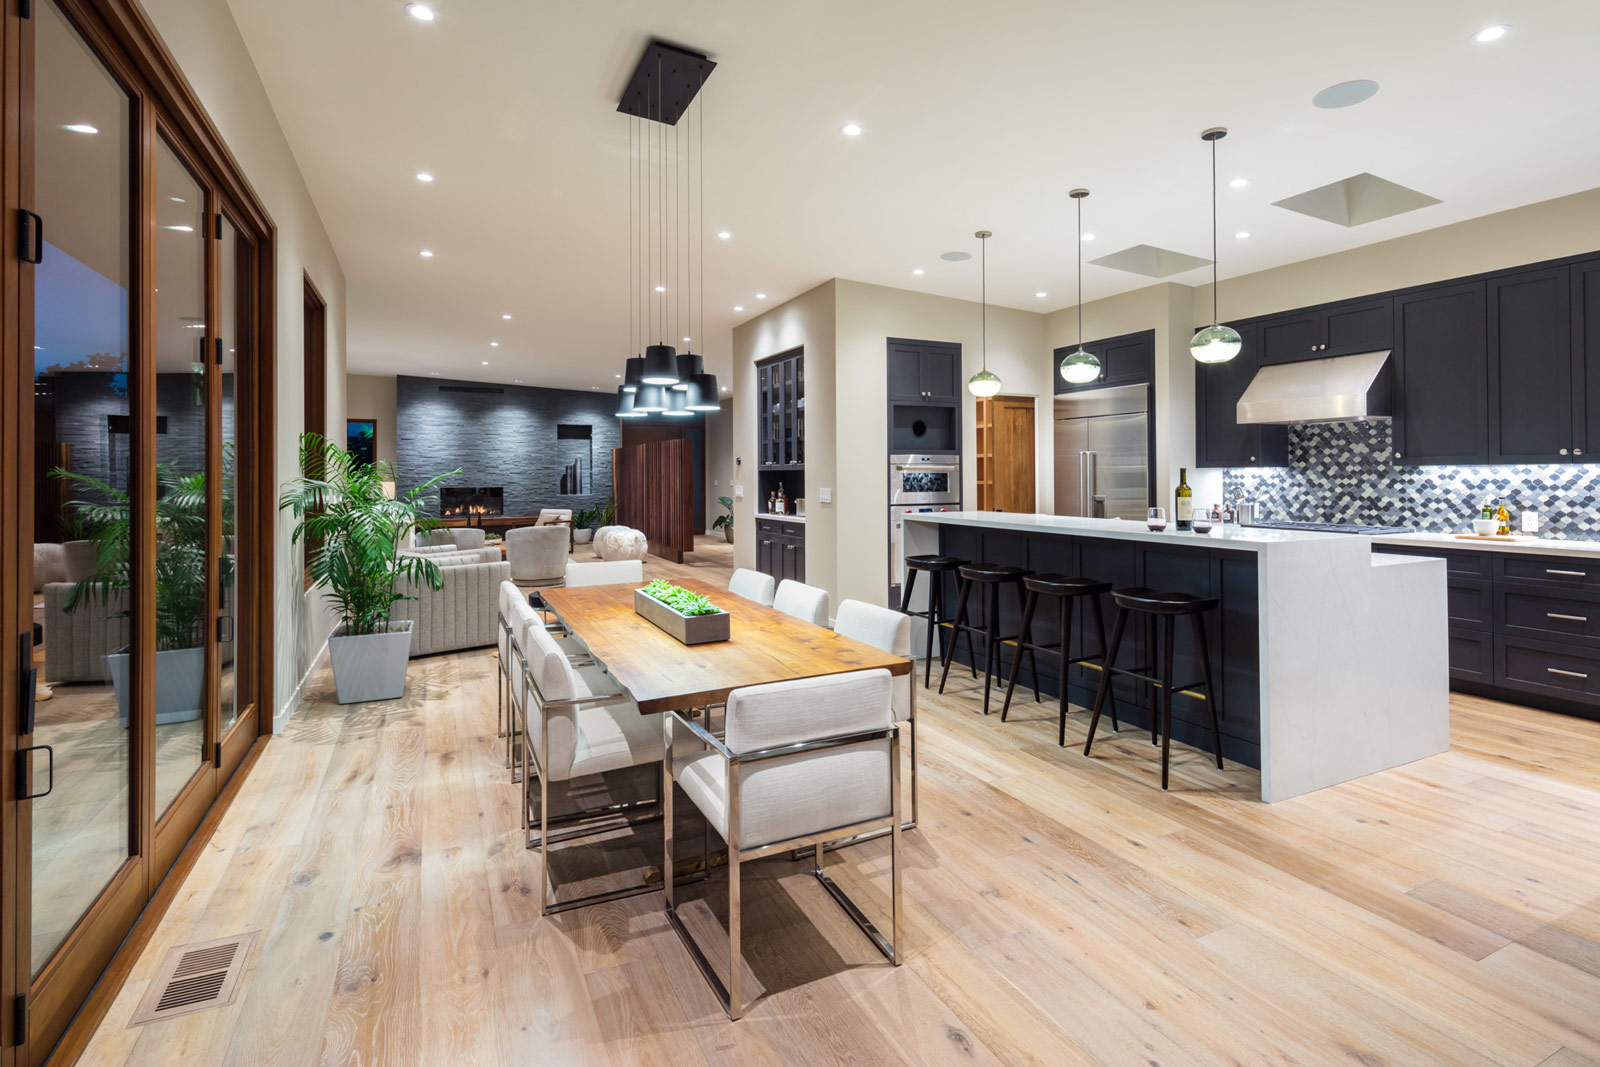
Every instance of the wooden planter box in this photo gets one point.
(689, 629)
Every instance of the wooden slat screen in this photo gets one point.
(654, 487)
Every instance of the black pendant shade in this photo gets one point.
(633, 376)
(660, 365)
(677, 404)
(703, 393)
(625, 404)
(650, 399)
(689, 365)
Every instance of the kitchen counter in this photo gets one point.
(1533, 546)
(780, 518)
(1336, 656)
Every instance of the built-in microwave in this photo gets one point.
(917, 479)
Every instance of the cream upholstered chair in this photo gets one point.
(890, 631)
(802, 601)
(753, 585)
(577, 723)
(782, 781)
(610, 572)
(554, 517)
(538, 555)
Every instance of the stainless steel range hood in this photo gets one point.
(1337, 389)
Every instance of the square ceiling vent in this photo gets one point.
(1151, 261)
(1358, 200)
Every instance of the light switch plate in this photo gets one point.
(738, 494)
(825, 496)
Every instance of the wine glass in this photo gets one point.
(1156, 520)
(1202, 521)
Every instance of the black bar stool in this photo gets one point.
(991, 577)
(1065, 590)
(935, 566)
(1165, 608)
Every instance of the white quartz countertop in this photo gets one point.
(1243, 538)
(1533, 546)
(781, 518)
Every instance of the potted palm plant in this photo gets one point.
(724, 522)
(356, 532)
(181, 571)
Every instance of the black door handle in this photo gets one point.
(29, 675)
(30, 236)
(23, 792)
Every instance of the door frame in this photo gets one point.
(73, 990)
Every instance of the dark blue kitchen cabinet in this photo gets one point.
(1535, 384)
(1441, 370)
(1126, 360)
(1220, 441)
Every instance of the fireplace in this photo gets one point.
(471, 504)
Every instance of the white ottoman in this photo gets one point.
(620, 542)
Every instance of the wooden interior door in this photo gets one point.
(1013, 454)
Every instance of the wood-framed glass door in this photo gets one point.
(136, 333)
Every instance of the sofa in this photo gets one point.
(76, 643)
(450, 537)
(461, 614)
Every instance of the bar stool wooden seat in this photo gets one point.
(934, 566)
(1066, 590)
(990, 577)
(1164, 608)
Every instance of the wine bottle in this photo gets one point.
(1185, 502)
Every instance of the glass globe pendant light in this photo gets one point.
(984, 383)
(1080, 367)
(1215, 343)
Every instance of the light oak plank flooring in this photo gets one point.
(1060, 910)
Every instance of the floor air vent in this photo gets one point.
(194, 978)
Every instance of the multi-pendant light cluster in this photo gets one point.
(666, 168)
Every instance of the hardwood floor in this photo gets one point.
(1060, 910)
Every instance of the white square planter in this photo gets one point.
(370, 666)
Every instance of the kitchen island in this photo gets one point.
(1331, 660)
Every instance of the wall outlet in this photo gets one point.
(1530, 522)
(825, 496)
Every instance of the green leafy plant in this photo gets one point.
(181, 569)
(357, 532)
(608, 513)
(680, 599)
(724, 521)
(585, 518)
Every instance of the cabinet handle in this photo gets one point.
(1577, 451)
(1568, 618)
(1252, 459)
(1567, 674)
(1569, 574)
(1563, 451)
(1397, 455)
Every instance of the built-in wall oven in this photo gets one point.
(919, 480)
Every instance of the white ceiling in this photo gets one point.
(976, 115)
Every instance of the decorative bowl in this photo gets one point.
(1485, 527)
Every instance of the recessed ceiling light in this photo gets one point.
(761, 296)
(955, 257)
(485, 363)
(180, 229)
(424, 176)
(851, 129)
(725, 388)
(426, 254)
(1087, 237)
(494, 344)
(506, 317)
(738, 307)
(723, 235)
(686, 340)
(434, 373)
(661, 288)
(616, 376)
(1346, 94)
(81, 127)
(177, 200)
(1239, 183)
(420, 12)
(1041, 295)
(1241, 235)
(919, 270)
(1490, 34)
(517, 381)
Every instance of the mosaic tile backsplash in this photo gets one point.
(1344, 472)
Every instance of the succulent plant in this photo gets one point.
(679, 599)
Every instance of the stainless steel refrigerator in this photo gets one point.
(1103, 453)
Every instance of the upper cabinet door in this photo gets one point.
(1586, 356)
(905, 373)
(1219, 439)
(1358, 326)
(1287, 338)
(1531, 394)
(1126, 360)
(940, 375)
(1441, 375)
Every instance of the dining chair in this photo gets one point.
(802, 601)
(578, 723)
(781, 781)
(890, 631)
(606, 572)
(752, 585)
(507, 705)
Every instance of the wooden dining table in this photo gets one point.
(660, 674)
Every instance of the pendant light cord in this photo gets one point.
(1214, 320)
(983, 250)
(1079, 201)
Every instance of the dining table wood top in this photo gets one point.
(659, 673)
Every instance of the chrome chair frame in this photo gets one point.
(584, 823)
(730, 994)
(505, 725)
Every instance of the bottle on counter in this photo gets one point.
(1184, 509)
(1216, 514)
(1228, 514)
(1488, 510)
(772, 503)
(783, 504)
(1504, 515)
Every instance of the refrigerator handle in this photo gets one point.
(1083, 484)
(1096, 499)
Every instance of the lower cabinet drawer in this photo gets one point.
(1568, 615)
(1470, 603)
(1547, 570)
(1472, 655)
(1546, 667)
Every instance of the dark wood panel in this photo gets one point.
(654, 488)
(764, 645)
